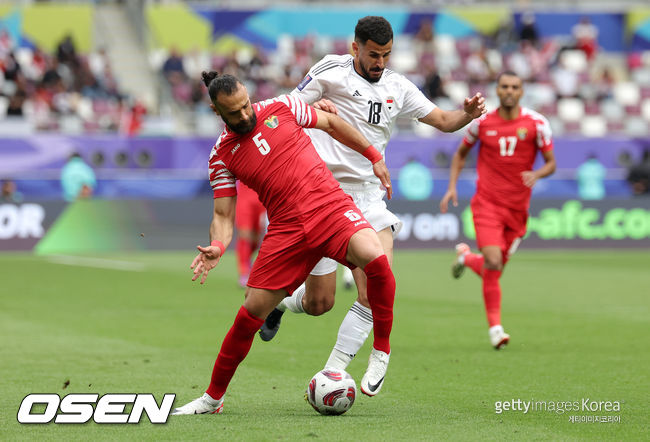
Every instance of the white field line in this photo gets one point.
(100, 263)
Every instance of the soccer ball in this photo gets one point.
(331, 391)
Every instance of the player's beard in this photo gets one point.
(245, 126)
(509, 103)
(366, 74)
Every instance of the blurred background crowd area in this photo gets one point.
(118, 83)
(581, 87)
(85, 67)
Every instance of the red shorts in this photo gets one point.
(292, 248)
(497, 225)
(249, 211)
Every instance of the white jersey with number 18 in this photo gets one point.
(372, 108)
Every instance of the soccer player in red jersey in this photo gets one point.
(249, 222)
(264, 146)
(510, 138)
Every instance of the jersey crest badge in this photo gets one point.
(521, 133)
(272, 122)
(389, 102)
(305, 81)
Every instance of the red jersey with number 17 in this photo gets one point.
(276, 159)
(507, 148)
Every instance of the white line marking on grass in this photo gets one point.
(84, 261)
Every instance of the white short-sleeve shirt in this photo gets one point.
(372, 108)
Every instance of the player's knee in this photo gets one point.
(493, 262)
(318, 306)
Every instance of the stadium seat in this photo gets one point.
(4, 104)
(206, 124)
(340, 46)
(574, 60)
(645, 92)
(464, 47)
(572, 127)
(636, 126)
(423, 130)
(615, 126)
(25, 58)
(588, 92)
(611, 110)
(403, 58)
(325, 45)
(645, 109)
(444, 103)
(557, 127)
(457, 91)
(548, 110)
(641, 77)
(459, 75)
(593, 126)
(70, 125)
(157, 58)
(592, 108)
(85, 108)
(477, 88)
(645, 58)
(570, 109)
(446, 55)
(627, 93)
(445, 45)
(543, 77)
(539, 94)
(491, 103)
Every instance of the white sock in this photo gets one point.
(293, 302)
(338, 360)
(354, 331)
(461, 259)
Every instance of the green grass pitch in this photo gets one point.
(579, 322)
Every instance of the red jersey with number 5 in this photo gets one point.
(507, 148)
(276, 159)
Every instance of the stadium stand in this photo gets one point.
(129, 70)
(566, 78)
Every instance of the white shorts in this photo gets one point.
(369, 198)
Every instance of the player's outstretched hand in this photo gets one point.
(444, 202)
(475, 106)
(326, 106)
(206, 260)
(381, 172)
(529, 178)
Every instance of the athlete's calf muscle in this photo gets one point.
(319, 294)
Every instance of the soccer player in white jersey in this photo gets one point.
(370, 97)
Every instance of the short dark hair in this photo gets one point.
(373, 28)
(508, 74)
(219, 83)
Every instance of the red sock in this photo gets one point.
(492, 296)
(244, 249)
(233, 350)
(381, 295)
(475, 262)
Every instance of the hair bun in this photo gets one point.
(208, 77)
